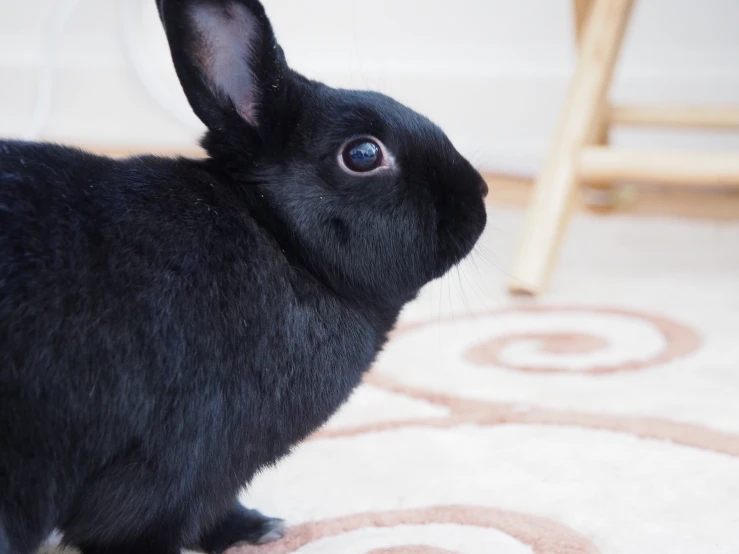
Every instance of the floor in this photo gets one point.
(599, 418)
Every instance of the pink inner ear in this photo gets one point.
(228, 35)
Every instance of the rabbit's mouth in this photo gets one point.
(484, 188)
(459, 231)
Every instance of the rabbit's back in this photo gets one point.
(156, 347)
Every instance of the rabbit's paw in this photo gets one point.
(242, 526)
(269, 529)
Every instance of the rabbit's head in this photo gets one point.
(363, 191)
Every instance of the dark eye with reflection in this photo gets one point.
(362, 155)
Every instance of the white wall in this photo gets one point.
(491, 72)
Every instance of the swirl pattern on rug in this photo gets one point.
(569, 374)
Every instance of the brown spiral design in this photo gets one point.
(413, 549)
(463, 411)
(679, 339)
(544, 536)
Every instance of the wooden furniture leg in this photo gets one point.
(602, 34)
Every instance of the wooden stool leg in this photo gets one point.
(548, 212)
(580, 12)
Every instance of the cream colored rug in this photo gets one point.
(600, 418)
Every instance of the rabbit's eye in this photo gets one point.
(362, 155)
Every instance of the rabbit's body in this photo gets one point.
(142, 287)
(170, 326)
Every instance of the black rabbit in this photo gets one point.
(170, 326)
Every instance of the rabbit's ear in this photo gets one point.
(227, 60)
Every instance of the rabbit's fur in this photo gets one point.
(170, 326)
